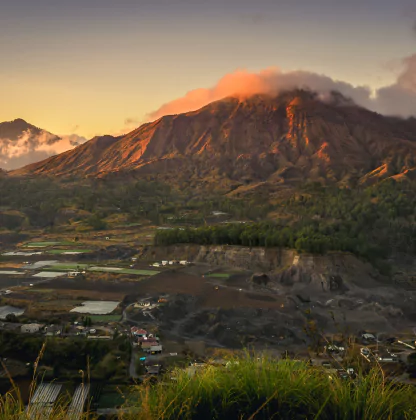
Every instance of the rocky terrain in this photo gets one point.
(277, 293)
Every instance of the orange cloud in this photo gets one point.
(398, 99)
(239, 83)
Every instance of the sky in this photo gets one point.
(94, 67)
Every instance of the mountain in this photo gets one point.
(22, 143)
(289, 138)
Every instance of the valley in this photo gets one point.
(279, 226)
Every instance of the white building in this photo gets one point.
(31, 328)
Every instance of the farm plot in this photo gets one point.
(39, 264)
(49, 274)
(67, 266)
(114, 270)
(20, 254)
(96, 307)
(105, 318)
(42, 244)
(98, 287)
(217, 275)
(68, 251)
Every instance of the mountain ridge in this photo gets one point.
(292, 137)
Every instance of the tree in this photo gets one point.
(11, 318)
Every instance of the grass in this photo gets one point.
(41, 244)
(253, 389)
(138, 272)
(218, 275)
(105, 318)
(269, 389)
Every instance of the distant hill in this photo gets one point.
(22, 143)
(289, 138)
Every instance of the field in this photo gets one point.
(49, 274)
(96, 307)
(88, 267)
(94, 286)
(42, 244)
(218, 275)
(105, 318)
(68, 251)
(67, 266)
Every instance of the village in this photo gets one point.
(139, 319)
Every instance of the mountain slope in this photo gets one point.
(289, 138)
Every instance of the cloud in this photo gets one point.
(131, 121)
(396, 99)
(30, 147)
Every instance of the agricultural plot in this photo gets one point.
(116, 270)
(68, 251)
(67, 266)
(218, 275)
(38, 264)
(21, 254)
(42, 244)
(105, 269)
(49, 274)
(139, 272)
(96, 307)
(105, 318)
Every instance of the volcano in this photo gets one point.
(290, 138)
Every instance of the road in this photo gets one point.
(126, 318)
(133, 364)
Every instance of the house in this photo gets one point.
(146, 345)
(368, 337)
(74, 273)
(30, 328)
(52, 330)
(138, 332)
(153, 370)
(155, 349)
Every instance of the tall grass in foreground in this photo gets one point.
(12, 406)
(266, 389)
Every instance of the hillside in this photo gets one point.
(285, 139)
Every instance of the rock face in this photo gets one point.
(283, 139)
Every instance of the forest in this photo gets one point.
(372, 222)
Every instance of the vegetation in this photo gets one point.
(252, 388)
(78, 353)
(372, 223)
(265, 389)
